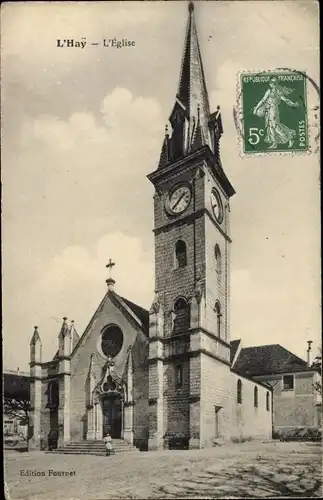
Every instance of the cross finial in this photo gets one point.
(110, 266)
(110, 281)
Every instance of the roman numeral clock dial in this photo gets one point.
(178, 199)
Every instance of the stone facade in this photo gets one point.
(163, 378)
(298, 406)
(67, 393)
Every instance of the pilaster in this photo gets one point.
(90, 434)
(64, 351)
(195, 392)
(35, 390)
(128, 421)
(128, 430)
(98, 422)
(36, 407)
(156, 376)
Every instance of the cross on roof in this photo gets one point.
(110, 266)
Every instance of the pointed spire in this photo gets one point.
(36, 337)
(74, 335)
(192, 91)
(64, 329)
(198, 137)
(72, 328)
(164, 155)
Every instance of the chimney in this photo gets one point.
(309, 353)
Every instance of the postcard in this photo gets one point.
(161, 249)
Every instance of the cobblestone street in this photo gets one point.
(249, 470)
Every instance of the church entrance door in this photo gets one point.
(112, 415)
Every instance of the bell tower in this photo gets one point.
(189, 374)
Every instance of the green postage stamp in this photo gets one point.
(274, 112)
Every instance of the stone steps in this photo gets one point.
(93, 448)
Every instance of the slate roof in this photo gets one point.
(16, 386)
(268, 359)
(234, 346)
(192, 91)
(140, 312)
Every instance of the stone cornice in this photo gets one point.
(211, 335)
(190, 218)
(191, 331)
(64, 358)
(151, 361)
(50, 378)
(53, 362)
(186, 355)
(35, 363)
(189, 161)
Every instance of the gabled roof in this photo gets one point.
(134, 312)
(267, 360)
(141, 313)
(234, 347)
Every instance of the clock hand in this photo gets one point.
(177, 202)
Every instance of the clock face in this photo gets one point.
(216, 205)
(179, 199)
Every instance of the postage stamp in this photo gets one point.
(274, 112)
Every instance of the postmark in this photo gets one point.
(273, 112)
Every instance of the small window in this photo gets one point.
(179, 375)
(239, 392)
(180, 254)
(268, 401)
(217, 309)
(288, 382)
(255, 397)
(217, 255)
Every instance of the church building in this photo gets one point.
(164, 377)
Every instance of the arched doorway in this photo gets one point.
(112, 411)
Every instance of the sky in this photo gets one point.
(81, 129)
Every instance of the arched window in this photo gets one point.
(181, 316)
(268, 401)
(255, 397)
(239, 392)
(180, 254)
(217, 255)
(217, 309)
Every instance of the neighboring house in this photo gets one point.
(296, 402)
(16, 388)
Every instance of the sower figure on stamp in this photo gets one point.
(268, 106)
(108, 444)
